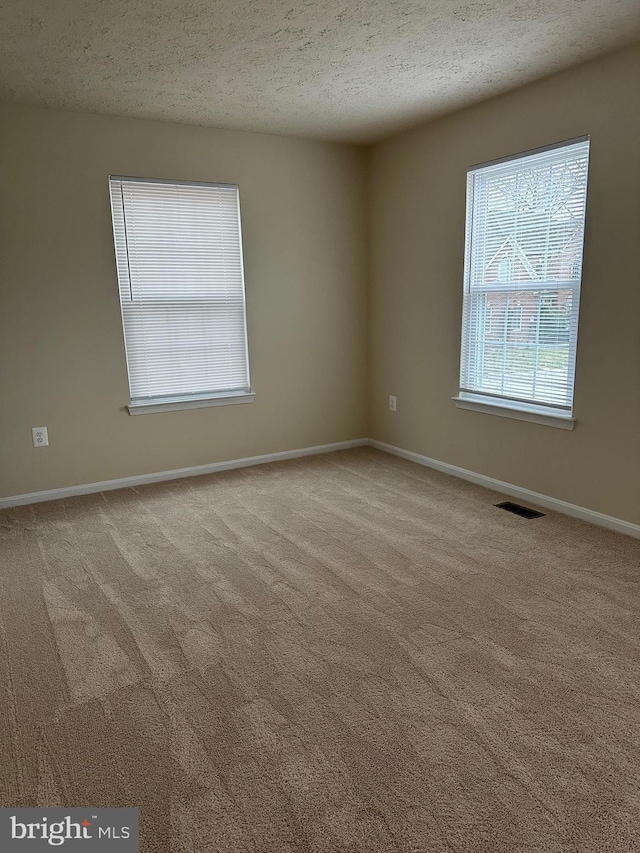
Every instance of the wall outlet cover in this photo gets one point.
(40, 436)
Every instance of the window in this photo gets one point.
(179, 259)
(488, 318)
(505, 269)
(514, 319)
(523, 262)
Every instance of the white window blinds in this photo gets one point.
(523, 265)
(179, 259)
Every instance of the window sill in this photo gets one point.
(517, 411)
(174, 404)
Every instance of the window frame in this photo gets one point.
(176, 402)
(519, 409)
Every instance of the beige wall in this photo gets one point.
(61, 351)
(305, 232)
(417, 247)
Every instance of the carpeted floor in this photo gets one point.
(340, 653)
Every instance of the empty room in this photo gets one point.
(320, 426)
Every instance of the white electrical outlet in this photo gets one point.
(392, 403)
(40, 437)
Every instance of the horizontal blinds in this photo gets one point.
(179, 260)
(523, 267)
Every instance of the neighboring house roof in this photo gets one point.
(520, 254)
(566, 253)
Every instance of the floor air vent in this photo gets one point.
(524, 511)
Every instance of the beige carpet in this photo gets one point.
(339, 653)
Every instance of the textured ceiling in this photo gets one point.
(339, 69)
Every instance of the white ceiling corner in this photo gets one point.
(344, 70)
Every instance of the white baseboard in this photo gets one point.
(598, 518)
(580, 512)
(142, 479)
